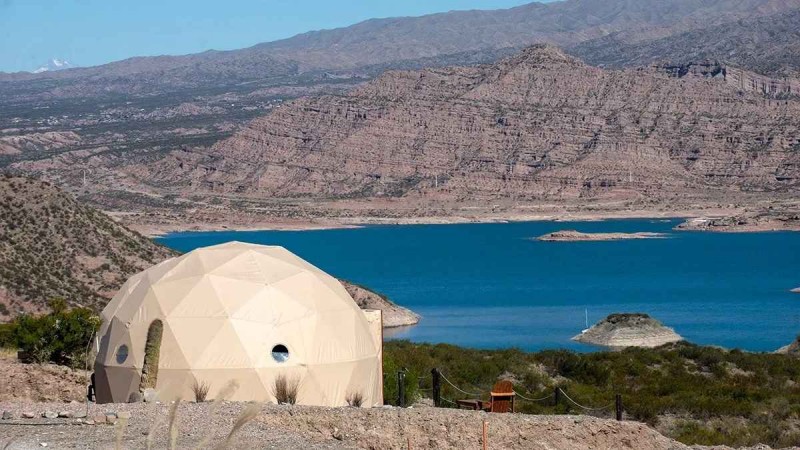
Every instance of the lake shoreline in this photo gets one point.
(163, 230)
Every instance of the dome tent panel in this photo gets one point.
(202, 301)
(191, 337)
(170, 293)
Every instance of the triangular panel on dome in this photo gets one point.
(276, 269)
(288, 257)
(123, 294)
(240, 298)
(307, 288)
(171, 355)
(201, 301)
(192, 336)
(219, 255)
(168, 294)
(225, 350)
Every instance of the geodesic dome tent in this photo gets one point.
(240, 313)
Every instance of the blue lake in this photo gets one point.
(490, 286)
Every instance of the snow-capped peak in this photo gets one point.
(53, 65)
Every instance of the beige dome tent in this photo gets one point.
(238, 312)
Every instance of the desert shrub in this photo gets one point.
(390, 382)
(285, 389)
(200, 390)
(61, 337)
(7, 339)
(355, 399)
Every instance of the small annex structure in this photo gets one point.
(240, 313)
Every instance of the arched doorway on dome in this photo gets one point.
(152, 349)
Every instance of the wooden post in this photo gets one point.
(556, 396)
(485, 435)
(436, 387)
(401, 389)
(618, 402)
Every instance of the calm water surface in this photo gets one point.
(490, 286)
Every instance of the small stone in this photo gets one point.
(124, 415)
(89, 422)
(111, 418)
(8, 415)
(100, 418)
(28, 415)
(43, 444)
(135, 397)
(150, 395)
(65, 414)
(79, 415)
(74, 402)
(50, 415)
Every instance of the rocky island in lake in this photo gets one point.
(628, 330)
(577, 236)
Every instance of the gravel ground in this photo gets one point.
(312, 428)
(194, 422)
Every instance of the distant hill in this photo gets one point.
(768, 45)
(454, 37)
(53, 246)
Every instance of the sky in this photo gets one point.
(92, 32)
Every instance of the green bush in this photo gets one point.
(390, 384)
(61, 336)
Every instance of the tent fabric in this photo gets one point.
(223, 309)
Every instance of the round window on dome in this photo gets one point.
(122, 353)
(280, 353)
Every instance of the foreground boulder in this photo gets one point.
(628, 330)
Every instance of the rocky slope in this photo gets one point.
(537, 126)
(628, 330)
(768, 45)
(393, 315)
(53, 246)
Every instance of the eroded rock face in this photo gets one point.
(539, 125)
(393, 314)
(628, 330)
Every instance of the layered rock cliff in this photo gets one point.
(538, 125)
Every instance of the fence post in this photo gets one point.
(401, 389)
(618, 402)
(556, 396)
(436, 387)
(485, 435)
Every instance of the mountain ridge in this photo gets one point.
(472, 131)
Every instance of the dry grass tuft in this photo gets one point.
(121, 425)
(355, 399)
(285, 390)
(173, 425)
(200, 391)
(224, 394)
(249, 413)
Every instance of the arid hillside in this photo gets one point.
(540, 125)
(52, 246)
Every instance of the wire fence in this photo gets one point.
(555, 396)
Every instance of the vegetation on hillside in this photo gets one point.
(697, 395)
(51, 246)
